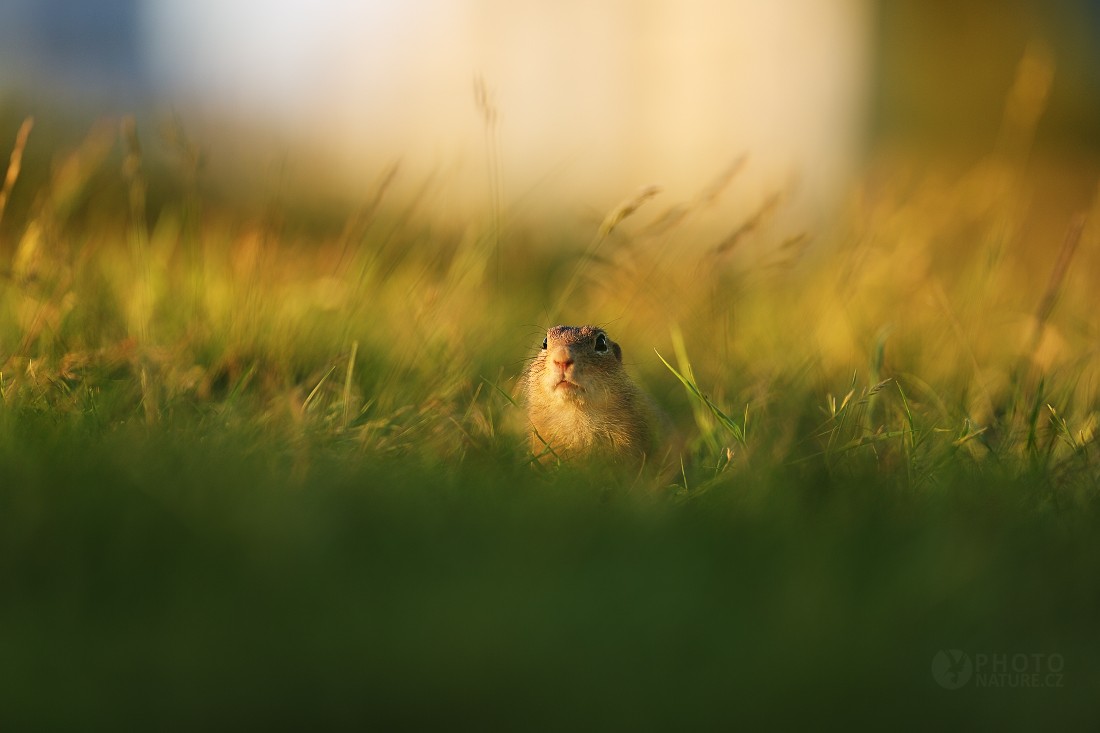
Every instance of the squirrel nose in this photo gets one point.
(562, 358)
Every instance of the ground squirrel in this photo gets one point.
(581, 402)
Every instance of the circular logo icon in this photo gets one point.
(951, 668)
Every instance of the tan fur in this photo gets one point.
(581, 402)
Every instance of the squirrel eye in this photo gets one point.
(601, 343)
(544, 344)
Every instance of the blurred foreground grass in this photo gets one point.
(262, 466)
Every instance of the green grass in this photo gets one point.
(264, 466)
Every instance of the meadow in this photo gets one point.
(262, 460)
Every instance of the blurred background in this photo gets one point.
(575, 103)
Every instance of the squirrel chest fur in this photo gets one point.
(580, 400)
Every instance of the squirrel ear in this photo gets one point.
(618, 351)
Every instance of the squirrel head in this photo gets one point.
(575, 363)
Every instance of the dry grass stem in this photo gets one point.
(15, 163)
